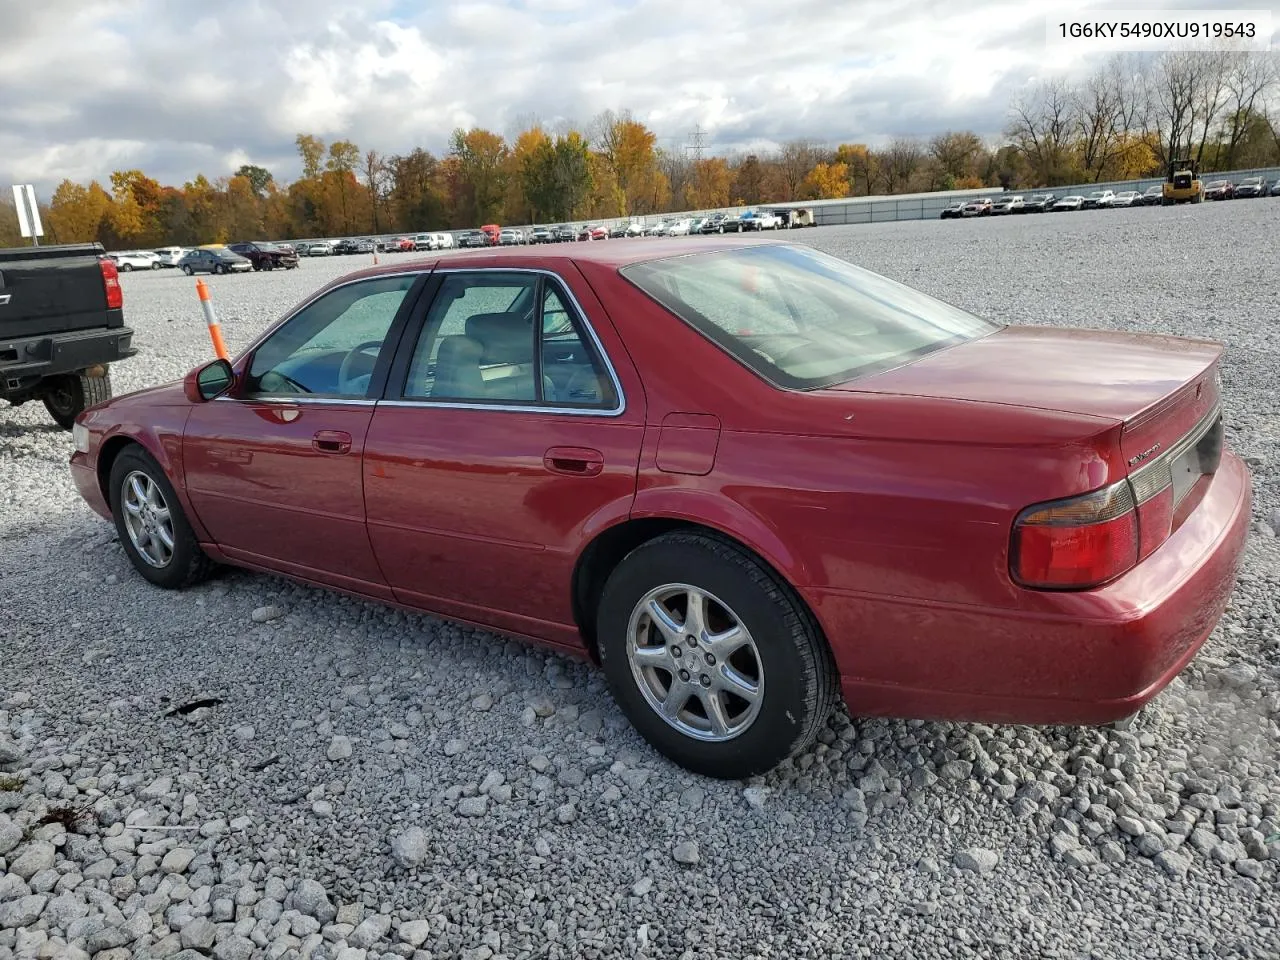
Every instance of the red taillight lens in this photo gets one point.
(111, 283)
(1076, 543)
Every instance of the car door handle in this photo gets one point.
(332, 441)
(574, 461)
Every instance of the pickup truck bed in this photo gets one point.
(61, 324)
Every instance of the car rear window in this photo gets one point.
(802, 319)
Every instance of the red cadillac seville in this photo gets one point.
(742, 475)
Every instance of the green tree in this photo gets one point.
(482, 158)
(259, 178)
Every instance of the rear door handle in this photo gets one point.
(574, 461)
(332, 441)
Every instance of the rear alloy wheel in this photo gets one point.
(156, 265)
(187, 270)
(126, 268)
(714, 660)
(67, 395)
(151, 525)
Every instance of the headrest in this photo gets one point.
(506, 337)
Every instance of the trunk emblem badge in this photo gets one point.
(1133, 461)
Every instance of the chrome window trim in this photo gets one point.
(294, 401)
(1151, 478)
(616, 411)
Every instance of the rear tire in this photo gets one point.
(68, 395)
(184, 563)
(187, 270)
(156, 265)
(126, 268)
(783, 657)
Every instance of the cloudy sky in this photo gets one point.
(88, 86)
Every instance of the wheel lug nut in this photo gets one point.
(684, 675)
(711, 661)
(706, 681)
(676, 652)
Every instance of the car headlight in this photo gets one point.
(80, 437)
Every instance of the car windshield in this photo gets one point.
(800, 318)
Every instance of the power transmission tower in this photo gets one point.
(697, 140)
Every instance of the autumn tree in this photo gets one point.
(311, 149)
(557, 176)
(481, 157)
(748, 182)
(898, 163)
(414, 198)
(795, 160)
(709, 185)
(1040, 129)
(826, 181)
(526, 144)
(957, 154)
(631, 150)
(259, 178)
(860, 162)
(76, 213)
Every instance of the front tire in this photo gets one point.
(713, 659)
(126, 268)
(67, 396)
(152, 527)
(187, 270)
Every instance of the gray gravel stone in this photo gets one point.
(977, 860)
(339, 748)
(23, 911)
(686, 852)
(473, 806)
(415, 932)
(10, 835)
(198, 934)
(411, 847)
(32, 858)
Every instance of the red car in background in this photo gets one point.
(744, 476)
(492, 234)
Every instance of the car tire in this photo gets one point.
(187, 270)
(126, 268)
(156, 265)
(171, 567)
(784, 657)
(218, 268)
(68, 395)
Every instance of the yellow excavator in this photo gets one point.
(1182, 184)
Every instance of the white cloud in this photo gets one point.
(92, 86)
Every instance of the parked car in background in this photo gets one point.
(510, 237)
(541, 235)
(1049, 549)
(1073, 202)
(732, 223)
(564, 233)
(1250, 187)
(213, 260)
(472, 238)
(1219, 190)
(952, 211)
(1153, 196)
(444, 241)
(658, 228)
(977, 208)
(364, 245)
(1003, 206)
(635, 228)
(1098, 199)
(1275, 188)
(794, 217)
(265, 256)
(490, 232)
(1039, 203)
(713, 224)
(129, 260)
(618, 230)
(424, 241)
(1127, 198)
(761, 220)
(679, 227)
(169, 256)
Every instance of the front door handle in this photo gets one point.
(332, 441)
(574, 461)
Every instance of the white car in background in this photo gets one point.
(130, 260)
(444, 241)
(169, 256)
(1074, 202)
(679, 228)
(1126, 199)
(425, 241)
(321, 248)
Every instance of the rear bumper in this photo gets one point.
(1080, 658)
(27, 359)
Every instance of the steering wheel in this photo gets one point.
(344, 371)
(272, 381)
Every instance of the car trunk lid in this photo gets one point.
(1160, 388)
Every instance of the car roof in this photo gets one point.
(608, 255)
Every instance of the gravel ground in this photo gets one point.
(359, 783)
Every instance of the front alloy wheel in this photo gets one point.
(147, 519)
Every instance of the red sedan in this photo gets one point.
(742, 475)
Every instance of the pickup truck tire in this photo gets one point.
(185, 564)
(67, 395)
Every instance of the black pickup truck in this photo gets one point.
(61, 324)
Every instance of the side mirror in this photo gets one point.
(209, 381)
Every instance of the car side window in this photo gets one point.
(501, 338)
(329, 348)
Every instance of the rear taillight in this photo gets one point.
(1078, 542)
(111, 284)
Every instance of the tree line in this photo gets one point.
(1126, 120)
